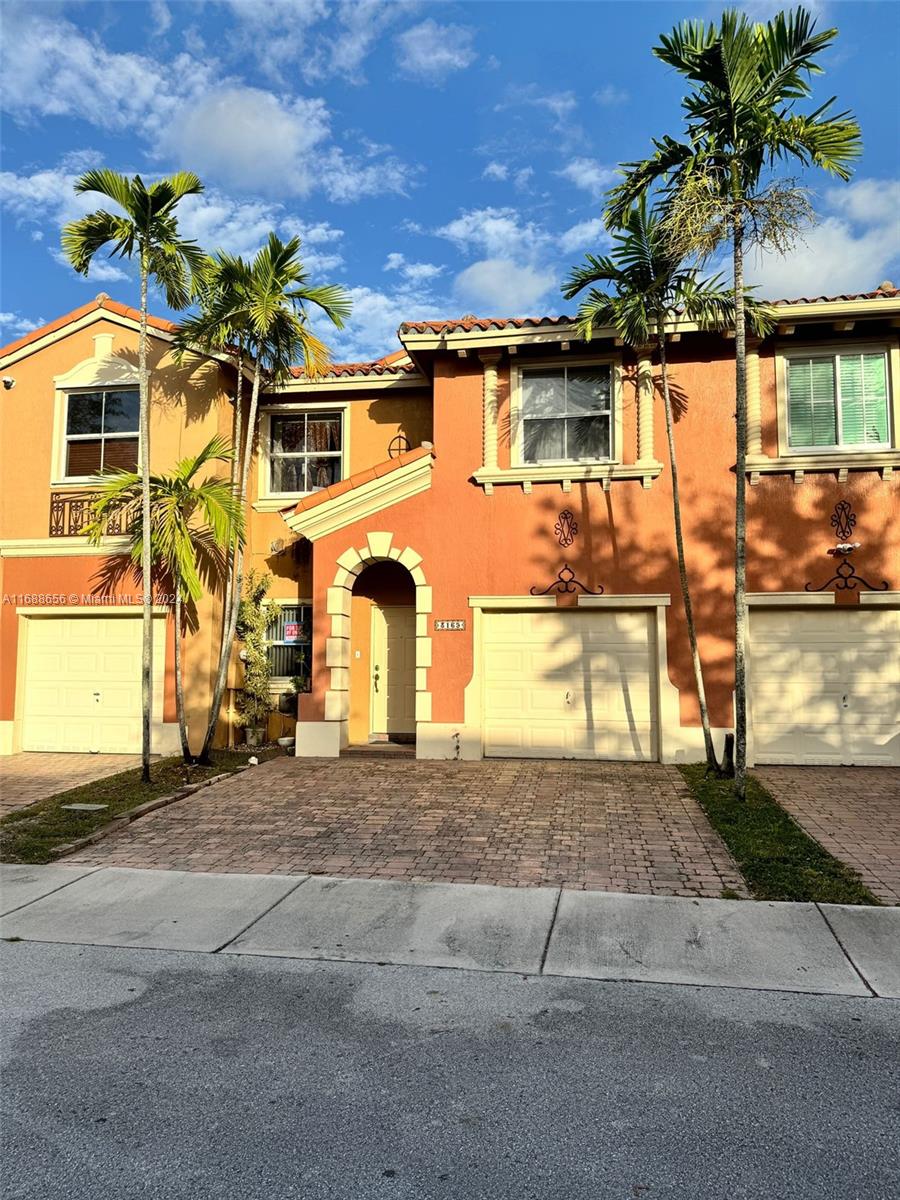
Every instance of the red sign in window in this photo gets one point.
(292, 631)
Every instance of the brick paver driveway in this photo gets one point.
(854, 812)
(615, 826)
(26, 778)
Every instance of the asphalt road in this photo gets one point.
(151, 1074)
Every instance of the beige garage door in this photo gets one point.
(561, 684)
(83, 683)
(825, 685)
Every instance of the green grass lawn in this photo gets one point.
(777, 858)
(36, 834)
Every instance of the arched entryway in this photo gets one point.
(382, 587)
(383, 655)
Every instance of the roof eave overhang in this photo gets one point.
(363, 501)
(415, 340)
(348, 383)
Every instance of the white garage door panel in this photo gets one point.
(825, 685)
(83, 683)
(569, 685)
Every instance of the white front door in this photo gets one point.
(393, 693)
(569, 684)
(825, 685)
(83, 683)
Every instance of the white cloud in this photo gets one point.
(523, 178)
(101, 270)
(46, 201)
(372, 329)
(495, 232)
(160, 16)
(610, 95)
(586, 235)
(415, 272)
(496, 171)
(236, 134)
(560, 105)
(275, 32)
(50, 68)
(503, 287)
(13, 325)
(588, 174)
(244, 137)
(430, 52)
(852, 249)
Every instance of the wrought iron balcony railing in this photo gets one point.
(70, 512)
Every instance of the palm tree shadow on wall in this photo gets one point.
(789, 536)
(193, 385)
(616, 548)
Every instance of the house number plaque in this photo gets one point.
(441, 625)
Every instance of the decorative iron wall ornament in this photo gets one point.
(845, 578)
(565, 583)
(398, 445)
(565, 528)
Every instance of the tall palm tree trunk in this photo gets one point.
(146, 579)
(740, 507)
(711, 760)
(179, 677)
(231, 613)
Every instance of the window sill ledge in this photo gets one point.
(799, 465)
(566, 475)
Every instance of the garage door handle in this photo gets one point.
(845, 701)
(568, 697)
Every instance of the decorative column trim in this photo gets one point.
(754, 402)
(645, 405)
(489, 446)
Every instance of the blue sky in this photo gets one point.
(437, 159)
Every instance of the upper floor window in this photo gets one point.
(305, 451)
(838, 401)
(567, 414)
(101, 431)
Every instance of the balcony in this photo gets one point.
(70, 512)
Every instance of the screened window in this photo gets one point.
(567, 414)
(101, 431)
(289, 638)
(838, 400)
(305, 451)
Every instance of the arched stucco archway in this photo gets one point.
(379, 547)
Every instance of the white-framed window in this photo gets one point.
(838, 401)
(289, 643)
(566, 414)
(101, 431)
(305, 451)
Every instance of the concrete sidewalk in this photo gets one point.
(828, 949)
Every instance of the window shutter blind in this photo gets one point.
(811, 402)
(863, 399)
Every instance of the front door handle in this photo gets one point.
(375, 679)
(845, 701)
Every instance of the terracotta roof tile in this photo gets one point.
(359, 478)
(391, 364)
(102, 302)
(467, 324)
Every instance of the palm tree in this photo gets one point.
(746, 80)
(260, 310)
(194, 526)
(148, 228)
(650, 286)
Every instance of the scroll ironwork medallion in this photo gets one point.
(564, 584)
(565, 528)
(845, 578)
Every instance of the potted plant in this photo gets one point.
(254, 703)
(287, 701)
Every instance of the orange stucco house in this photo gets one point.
(471, 539)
